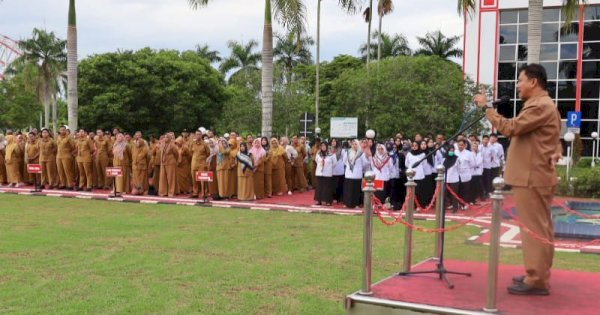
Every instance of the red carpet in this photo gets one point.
(572, 292)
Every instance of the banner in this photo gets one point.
(344, 127)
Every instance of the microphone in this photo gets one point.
(504, 100)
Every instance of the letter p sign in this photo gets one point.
(573, 119)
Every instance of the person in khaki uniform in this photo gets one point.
(140, 162)
(102, 144)
(184, 162)
(534, 150)
(259, 156)
(268, 166)
(48, 149)
(223, 166)
(14, 156)
(168, 167)
(211, 162)
(85, 150)
(233, 151)
(121, 155)
(298, 165)
(200, 152)
(64, 158)
(3, 177)
(33, 157)
(156, 156)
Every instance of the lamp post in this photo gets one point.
(370, 134)
(569, 137)
(595, 147)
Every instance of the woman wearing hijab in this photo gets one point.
(278, 162)
(355, 161)
(291, 155)
(415, 155)
(395, 183)
(338, 171)
(233, 151)
(121, 153)
(268, 166)
(259, 156)
(313, 155)
(452, 177)
(211, 162)
(223, 166)
(13, 157)
(184, 167)
(325, 186)
(383, 166)
(245, 172)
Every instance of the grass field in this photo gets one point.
(81, 256)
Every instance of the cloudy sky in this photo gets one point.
(109, 25)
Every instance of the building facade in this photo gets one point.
(495, 47)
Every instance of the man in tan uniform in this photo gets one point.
(64, 158)
(33, 157)
(200, 153)
(102, 144)
(48, 159)
(85, 150)
(168, 166)
(534, 149)
(140, 154)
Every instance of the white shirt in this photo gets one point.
(338, 168)
(498, 154)
(487, 152)
(478, 167)
(325, 165)
(465, 162)
(412, 159)
(357, 171)
(396, 171)
(452, 173)
(385, 173)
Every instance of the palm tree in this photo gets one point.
(242, 58)
(292, 15)
(435, 43)
(390, 46)
(349, 6)
(211, 55)
(384, 7)
(368, 16)
(534, 16)
(45, 55)
(289, 52)
(72, 101)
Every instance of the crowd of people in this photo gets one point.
(248, 168)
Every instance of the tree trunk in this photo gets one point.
(534, 32)
(267, 74)
(72, 101)
(379, 39)
(54, 114)
(370, 17)
(317, 85)
(46, 101)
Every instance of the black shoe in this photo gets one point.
(524, 289)
(518, 279)
(193, 196)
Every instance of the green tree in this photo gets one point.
(152, 91)
(45, 55)
(72, 101)
(242, 59)
(410, 94)
(391, 46)
(211, 55)
(437, 44)
(19, 106)
(292, 14)
(289, 52)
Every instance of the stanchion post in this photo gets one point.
(494, 255)
(368, 233)
(410, 208)
(438, 208)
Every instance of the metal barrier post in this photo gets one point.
(438, 209)
(367, 234)
(494, 255)
(410, 190)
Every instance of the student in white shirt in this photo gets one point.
(466, 160)
(498, 157)
(383, 166)
(338, 170)
(355, 160)
(477, 171)
(452, 179)
(415, 155)
(429, 171)
(325, 186)
(487, 152)
(397, 187)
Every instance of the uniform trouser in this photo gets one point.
(13, 172)
(269, 184)
(168, 176)
(533, 210)
(140, 180)
(101, 164)
(65, 171)
(85, 174)
(450, 197)
(48, 173)
(487, 180)
(3, 178)
(198, 187)
(464, 191)
(156, 178)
